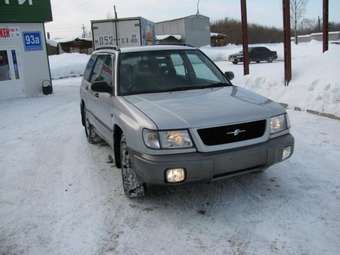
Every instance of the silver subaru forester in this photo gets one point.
(172, 117)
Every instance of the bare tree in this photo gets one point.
(297, 9)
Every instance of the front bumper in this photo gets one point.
(214, 165)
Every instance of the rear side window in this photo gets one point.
(89, 68)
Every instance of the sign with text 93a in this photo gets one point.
(32, 41)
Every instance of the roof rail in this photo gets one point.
(176, 44)
(109, 48)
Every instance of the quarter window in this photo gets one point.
(89, 68)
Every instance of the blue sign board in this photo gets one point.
(32, 41)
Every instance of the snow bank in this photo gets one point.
(316, 80)
(68, 65)
(315, 84)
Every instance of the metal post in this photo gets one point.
(325, 24)
(116, 26)
(245, 36)
(287, 41)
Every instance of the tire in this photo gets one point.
(90, 131)
(270, 60)
(261, 170)
(258, 61)
(235, 62)
(133, 187)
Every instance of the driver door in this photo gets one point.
(102, 102)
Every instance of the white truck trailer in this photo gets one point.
(126, 32)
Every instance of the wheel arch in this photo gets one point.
(117, 135)
(82, 112)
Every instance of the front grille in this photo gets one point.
(232, 133)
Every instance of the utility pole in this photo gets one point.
(83, 28)
(245, 37)
(287, 41)
(325, 24)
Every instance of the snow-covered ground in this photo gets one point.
(60, 195)
(68, 65)
(316, 79)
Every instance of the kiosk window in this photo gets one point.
(15, 64)
(5, 74)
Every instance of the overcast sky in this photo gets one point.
(69, 15)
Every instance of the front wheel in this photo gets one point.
(133, 187)
(270, 60)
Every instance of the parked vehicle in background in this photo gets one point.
(256, 54)
(172, 117)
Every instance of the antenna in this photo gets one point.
(116, 25)
(115, 10)
(198, 7)
(83, 28)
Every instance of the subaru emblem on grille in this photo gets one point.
(236, 132)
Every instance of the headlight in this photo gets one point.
(278, 123)
(176, 139)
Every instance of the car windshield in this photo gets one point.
(167, 70)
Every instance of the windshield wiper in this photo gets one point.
(213, 85)
(219, 84)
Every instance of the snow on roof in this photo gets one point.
(64, 40)
(217, 34)
(52, 42)
(182, 18)
(164, 37)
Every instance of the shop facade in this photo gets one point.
(24, 66)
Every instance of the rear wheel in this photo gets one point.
(90, 131)
(235, 62)
(133, 187)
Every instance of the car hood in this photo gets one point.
(205, 107)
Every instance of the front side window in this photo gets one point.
(103, 69)
(201, 69)
(167, 70)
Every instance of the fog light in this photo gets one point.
(175, 175)
(286, 152)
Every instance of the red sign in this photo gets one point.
(8, 32)
(4, 33)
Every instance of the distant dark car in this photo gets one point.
(256, 54)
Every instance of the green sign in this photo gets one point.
(12, 11)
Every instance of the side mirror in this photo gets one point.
(229, 75)
(101, 87)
